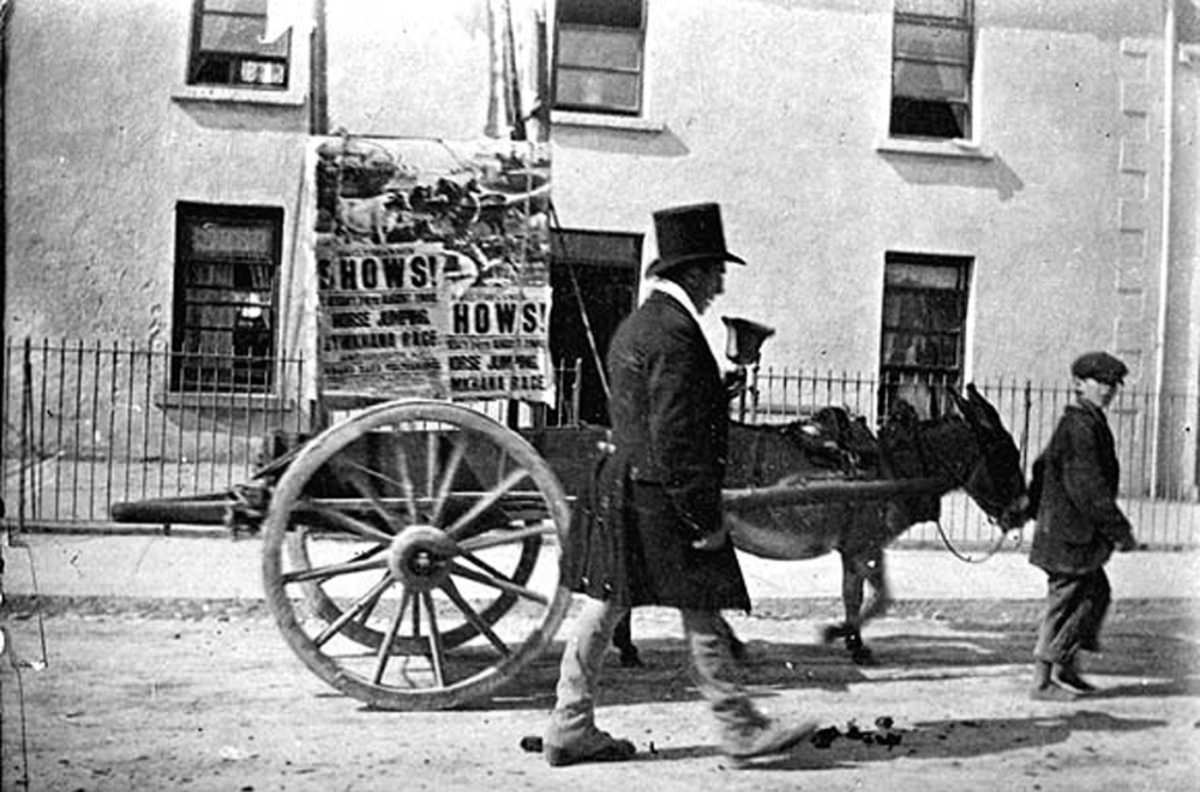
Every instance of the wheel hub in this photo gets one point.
(420, 557)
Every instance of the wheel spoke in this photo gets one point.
(439, 500)
(372, 600)
(431, 455)
(344, 521)
(385, 646)
(488, 500)
(435, 642)
(416, 617)
(497, 538)
(326, 572)
(367, 600)
(406, 482)
(467, 611)
(500, 583)
(362, 483)
(485, 566)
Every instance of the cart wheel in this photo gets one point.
(301, 536)
(402, 555)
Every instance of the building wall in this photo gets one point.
(779, 110)
(776, 108)
(101, 146)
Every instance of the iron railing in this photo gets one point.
(90, 424)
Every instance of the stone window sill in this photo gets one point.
(225, 400)
(957, 148)
(292, 97)
(603, 121)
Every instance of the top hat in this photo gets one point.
(1099, 366)
(745, 339)
(689, 233)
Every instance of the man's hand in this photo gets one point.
(734, 382)
(713, 541)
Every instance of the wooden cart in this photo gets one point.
(411, 551)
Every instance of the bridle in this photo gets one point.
(959, 476)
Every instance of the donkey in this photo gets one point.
(967, 448)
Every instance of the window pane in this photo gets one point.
(261, 72)
(942, 8)
(930, 118)
(600, 48)
(944, 311)
(912, 312)
(918, 80)
(921, 276)
(949, 351)
(237, 6)
(605, 13)
(597, 89)
(228, 241)
(926, 42)
(238, 34)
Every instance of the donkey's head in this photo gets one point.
(968, 447)
(990, 466)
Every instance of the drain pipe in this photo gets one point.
(1164, 264)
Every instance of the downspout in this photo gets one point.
(1164, 264)
(5, 14)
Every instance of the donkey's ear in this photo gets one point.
(960, 403)
(983, 408)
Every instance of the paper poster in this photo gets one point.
(432, 268)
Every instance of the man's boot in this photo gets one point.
(1066, 674)
(1044, 686)
(747, 734)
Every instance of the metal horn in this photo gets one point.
(745, 340)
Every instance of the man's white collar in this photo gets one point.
(674, 290)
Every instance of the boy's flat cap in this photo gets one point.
(1099, 366)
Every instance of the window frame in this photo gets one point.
(894, 375)
(639, 72)
(189, 359)
(964, 118)
(197, 55)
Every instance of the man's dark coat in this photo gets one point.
(1078, 520)
(661, 488)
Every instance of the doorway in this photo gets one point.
(594, 279)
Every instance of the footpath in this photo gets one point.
(208, 567)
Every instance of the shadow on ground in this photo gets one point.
(1163, 649)
(958, 739)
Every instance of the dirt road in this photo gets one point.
(206, 696)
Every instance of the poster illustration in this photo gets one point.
(432, 268)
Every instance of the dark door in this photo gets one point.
(594, 276)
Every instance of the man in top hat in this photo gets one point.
(1079, 524)
(653, 533)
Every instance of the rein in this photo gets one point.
(966, 559)
(959, 480)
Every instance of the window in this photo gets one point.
(226, 261)
(227, 46)
(931, 69)
(598, 56)
(924, 316)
